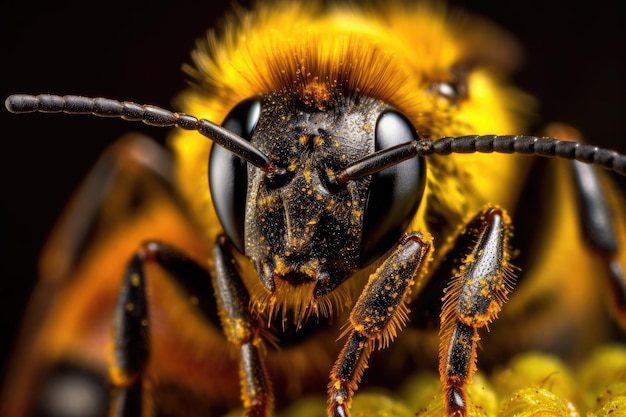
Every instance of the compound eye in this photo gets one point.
(394, 193)
(452, 91)
(228, 178)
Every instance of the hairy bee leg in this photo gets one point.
(472, 300)
(377, 316)
(242, 331)
(130, 350)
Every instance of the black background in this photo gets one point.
(134, 51)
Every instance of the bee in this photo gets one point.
(316, 253)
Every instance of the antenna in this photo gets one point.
(529, 145)
(150, 115)
(156, 116)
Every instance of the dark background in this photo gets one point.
(134, 51)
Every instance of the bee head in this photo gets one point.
(305, 226)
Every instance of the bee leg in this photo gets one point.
(130, 349)
(597, 221)
(377, 316)
(599, 231)
(472, 300)
(242, 331)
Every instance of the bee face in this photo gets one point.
(303, 228)
(296, 213)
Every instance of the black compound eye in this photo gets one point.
(228, 178)
(395, 192)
